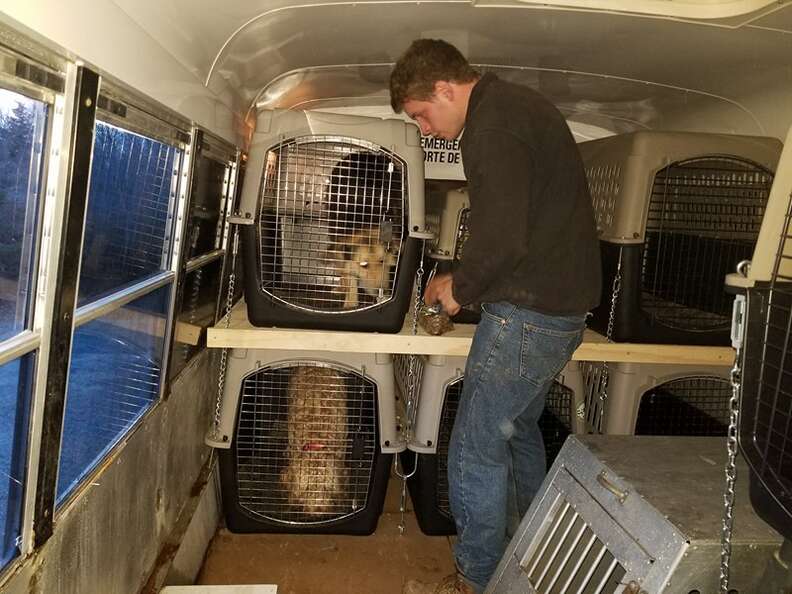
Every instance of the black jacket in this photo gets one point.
(533, 240)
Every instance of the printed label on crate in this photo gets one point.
(442, 158)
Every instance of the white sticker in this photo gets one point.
(442, 158)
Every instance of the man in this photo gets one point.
(532, 259)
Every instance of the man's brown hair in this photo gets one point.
(424, 63)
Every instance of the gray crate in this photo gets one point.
(649, 399)
(616, 509)
(376, 369)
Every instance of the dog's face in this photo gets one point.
(372, 265)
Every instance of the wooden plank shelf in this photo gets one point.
(242, 334)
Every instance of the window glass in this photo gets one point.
(22, 129)
(114, 379)
(16, 380)
(195, 313)
(130, 201)
(205, 207)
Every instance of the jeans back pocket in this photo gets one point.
(544, 352)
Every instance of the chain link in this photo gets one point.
(605, 378)
(614, 298)
(224, 354)
(731, 445)
(412, 379)
(411, 406)
(731, 477)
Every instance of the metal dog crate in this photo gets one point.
(440, 390)
(299, 436)
(647, 399)
(336, 207)
(679, 211)
(765, 430)
(634, 514)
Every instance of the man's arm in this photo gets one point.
(502, 212)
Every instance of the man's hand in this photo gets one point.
(439, 289)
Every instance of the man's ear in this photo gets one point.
(444, 89)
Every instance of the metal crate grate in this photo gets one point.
(570, 558)
(401, 371)
(696, 406)
(556, 419)
(595, 381)
(704, 217)
(453, 392)
(306, 443)
(463, 232)
(332, 220)
(555, 424)
(604, 184)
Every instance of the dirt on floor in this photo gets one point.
(332, 564)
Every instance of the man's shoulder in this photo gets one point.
(506, 103)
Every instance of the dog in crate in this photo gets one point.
(363, 263)
(364, 202)
(315, 476)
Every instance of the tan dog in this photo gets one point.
(315, 476)
(363, 263)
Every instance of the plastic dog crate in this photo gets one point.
(679, 210)
(336, 206)
(765, 429)
(440, 390)
(620, 515)
(453, 232)
(306, 441)
(647, 399)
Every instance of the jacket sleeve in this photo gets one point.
(502, 212)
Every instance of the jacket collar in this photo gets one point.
(477, 94)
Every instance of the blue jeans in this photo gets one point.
(515, 356)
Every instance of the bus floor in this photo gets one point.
(332, 564)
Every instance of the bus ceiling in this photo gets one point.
(610, 65)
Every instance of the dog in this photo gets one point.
(315, 475)
(363, 263)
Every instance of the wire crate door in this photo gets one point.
(694, 405)
(306, 443)
(765, 431)
(332, 222)
(703, 218)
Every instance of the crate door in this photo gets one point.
(695, 405)
(332, 224)
(704, 218)
(306, 443)
(765, 431)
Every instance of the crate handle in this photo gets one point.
(602, 479)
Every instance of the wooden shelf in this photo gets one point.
(243, 335)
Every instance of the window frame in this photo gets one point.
(131, 112)
(226, 154)
(40, 74)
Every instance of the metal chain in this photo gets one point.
(605, 378)
(738, 319)
(731, 476)
(411, 406)
(614, 298)
(224, 354)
